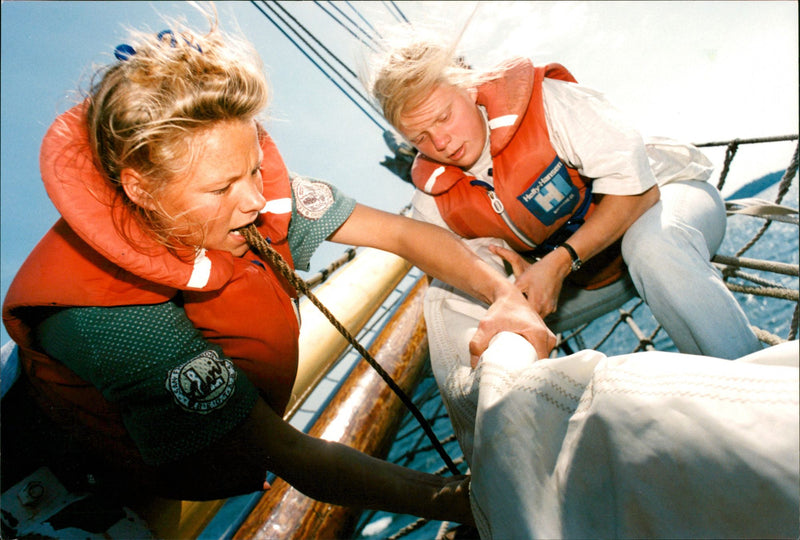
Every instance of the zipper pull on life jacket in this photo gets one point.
(497, 204)
(499, 208)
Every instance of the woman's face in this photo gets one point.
(447, 126)
(222, 190)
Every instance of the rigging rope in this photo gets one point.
(398, 14)
(360, 16)
(786, 181)
(318, 42)
(258, 243)
(286, 35)
(334, 56)
(351, 21)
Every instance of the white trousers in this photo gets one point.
(668, 252)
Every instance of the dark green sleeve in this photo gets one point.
(318, 209)
(177, 393)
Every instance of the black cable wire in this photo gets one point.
(351, 21)
(360, 16)
(340, 23)
(388, 6)
(397, 11)
(311, 35)
(282, 31)
(318, 42)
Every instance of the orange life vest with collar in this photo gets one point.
(239, 303)
(544, 200)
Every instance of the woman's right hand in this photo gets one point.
(510, 312)
(455, 496)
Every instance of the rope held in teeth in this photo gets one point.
(260, 245)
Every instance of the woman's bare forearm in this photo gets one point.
(323, 470)
(611, 218)
(436, 251)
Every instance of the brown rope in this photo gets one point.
(786, 181)
(258, 243)
(733, 263)
(730, 152)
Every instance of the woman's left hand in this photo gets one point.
(540, 282)
(441, 254)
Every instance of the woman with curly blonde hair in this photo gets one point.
(149, 330)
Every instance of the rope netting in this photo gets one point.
(772, 279)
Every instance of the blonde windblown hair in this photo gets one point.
(411, 63)
(144, 109)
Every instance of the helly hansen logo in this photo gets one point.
(552, 195)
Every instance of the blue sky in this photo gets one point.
(693, 70)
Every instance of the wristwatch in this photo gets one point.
(576, 261)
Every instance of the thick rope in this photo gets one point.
(788, 176)
(786, 181)
(258, 243)
(730, 152)
(757, 264)
(410, 528)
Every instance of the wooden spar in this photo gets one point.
(364, 414)
(353, 294)
(170, 518)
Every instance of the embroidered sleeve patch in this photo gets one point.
(312, 198)
(552, 195)
(203, 384)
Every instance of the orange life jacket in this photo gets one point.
(245, 308)
(541, 197)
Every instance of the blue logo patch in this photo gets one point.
(552, 196)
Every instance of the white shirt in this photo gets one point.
(591, 135)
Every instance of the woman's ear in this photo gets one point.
(135, 188)
(473, 94)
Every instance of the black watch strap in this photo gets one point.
(576, 261)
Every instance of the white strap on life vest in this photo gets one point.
(432, 179)
(278, 206)
(201, 271)
(503, 121)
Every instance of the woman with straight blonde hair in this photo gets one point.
(590, 212)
